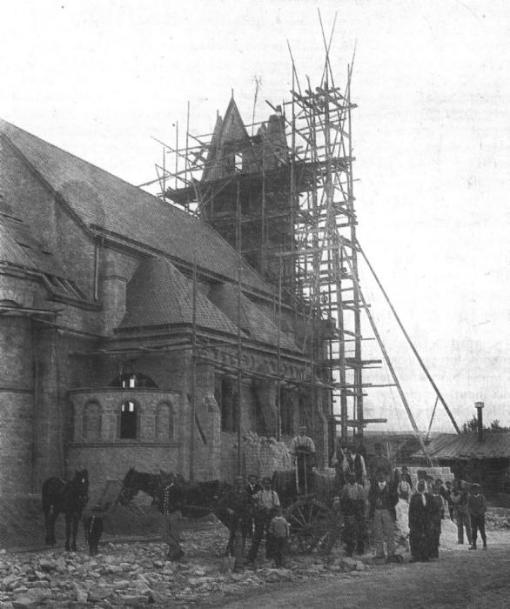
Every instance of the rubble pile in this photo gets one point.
(265, 455)
(497, 519)
(136, 575)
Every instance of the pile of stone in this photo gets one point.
(136, 574)
(264, 455)
(498, 518)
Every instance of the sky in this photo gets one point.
(431, 140)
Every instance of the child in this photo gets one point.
(94, 527)
(278, 534)
(353, 498)
(477, 505)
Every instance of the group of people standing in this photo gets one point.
(255, 512)
(383, 504)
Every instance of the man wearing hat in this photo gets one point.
(302, 448)
(477, 505)
(238, 505)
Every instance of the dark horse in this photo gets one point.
(193, 499)
(67, 497)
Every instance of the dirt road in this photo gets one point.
(459, 580)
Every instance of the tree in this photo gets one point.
(472, 425)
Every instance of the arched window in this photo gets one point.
(132, 380)
(128, 420)
(92, 421)
(165, 422)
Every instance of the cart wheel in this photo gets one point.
(309, 525)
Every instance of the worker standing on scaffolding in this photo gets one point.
(302, 448)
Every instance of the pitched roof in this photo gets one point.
(252, 319)
(495, 445)
(158, 294)
(19, 247)
(103, 200)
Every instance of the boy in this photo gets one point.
(277, 535)
(94, 527)
(352, 500)
(477, 505)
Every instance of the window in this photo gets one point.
(132, 380)
(128, 420)
(238, 162)
(165, 423)
(286, 411)
(226, 397)
(92, 421)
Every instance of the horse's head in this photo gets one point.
(130, 487)
(80, 485)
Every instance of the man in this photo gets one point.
(379, 463)
(252, 488)
(436, 515)
(420, 508)
(238, 505)
(173, 495)
(266, 502)
(253, 485)
(353, 499)
(382, 500)
(460, 511)
(477, 505)
(302, 448)
(354, 464)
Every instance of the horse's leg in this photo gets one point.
(50, 530)
(68, 530)
(76, 520)
(47, 525)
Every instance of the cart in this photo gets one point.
(306, 497)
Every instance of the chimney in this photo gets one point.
(479, 408)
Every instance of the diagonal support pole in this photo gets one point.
(410, 342)
(387, 359)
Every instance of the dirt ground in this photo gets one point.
(460, 579)
(135, 574)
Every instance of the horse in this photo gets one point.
(150, 484)
(192, 499)
(67, 497)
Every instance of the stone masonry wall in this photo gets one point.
(97, 446)
(16, 403)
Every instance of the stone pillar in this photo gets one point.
(16, 396)
(48, 419)
(113, 293)
(214, 436)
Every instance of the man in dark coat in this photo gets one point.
(459, 497)
(436, 515)
(382, 499)
(420, 508)
(238, 506)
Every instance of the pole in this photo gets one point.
(239, 336)
(193, 370)
(410, 342)
(390, 365)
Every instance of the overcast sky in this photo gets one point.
(431, 139)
